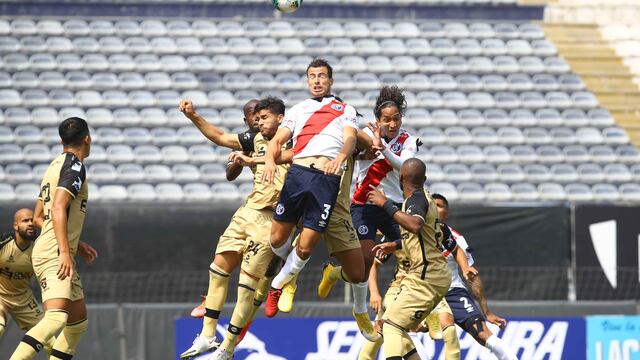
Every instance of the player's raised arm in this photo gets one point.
(273, 152)
(210, 131)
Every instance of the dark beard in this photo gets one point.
(25, 236)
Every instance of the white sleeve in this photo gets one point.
(289, 120)
(462, 243)
(408, 151)
(350, 117)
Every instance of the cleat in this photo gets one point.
(201, 344)
(220, 354)
(433, 323)
(324, 288)
(365, 326)
(199, 311)
(271, 305)
(243, 332)
(285, 303)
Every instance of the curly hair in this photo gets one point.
(390, 96)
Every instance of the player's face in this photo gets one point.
(318, 81)
(23, 225)
(443, 210)
(251, 119)
(268, 123)
(390, 121)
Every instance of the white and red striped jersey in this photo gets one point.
(317, 126)
(380, 173)
(456, 279)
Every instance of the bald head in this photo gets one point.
(249, 114)
(413, 171)
(23, 224)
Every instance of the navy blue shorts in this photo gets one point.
(310, 194)
(368, 218)
(463, 306)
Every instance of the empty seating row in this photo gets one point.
(463, 192)
(231, 63)
(270, 45)
(232, 117)
(300, 28)
(131, 80)
(527, 154)
(437, 154)
(221, 99)
(137, 192)
(497, 192)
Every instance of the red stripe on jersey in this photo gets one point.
(317, 122)
(377, 171)
(454, 233)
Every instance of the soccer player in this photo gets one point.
(379, 304)
(460, 307)
(324, 131)
(428, 277)
(245, 242)
(16, 271)
(64, 196)
(394, 146)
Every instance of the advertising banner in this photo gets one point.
(613, 337)
(339, 339)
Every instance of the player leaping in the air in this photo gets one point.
(324, 131)
(460, 307)
(245, 242)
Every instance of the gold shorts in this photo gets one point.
(340, 234)
(46, 270)
(443, 308)
(415, 299)
(249, 233)
(24, 309)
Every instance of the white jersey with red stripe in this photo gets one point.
(456, 279)
(379, 172)
(317, 126)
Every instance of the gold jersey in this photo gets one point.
(402, 266)
(15, 267)
(263, 196)
(424, 249)
(65, 173)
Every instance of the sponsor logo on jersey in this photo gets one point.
(77, 166)
(77, 184)
(363, 230)
(280, 209)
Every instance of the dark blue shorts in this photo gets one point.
(368, 218)
(463, 306)
(310, 194)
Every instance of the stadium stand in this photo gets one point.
(479, 93)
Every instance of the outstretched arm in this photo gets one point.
(210, 131)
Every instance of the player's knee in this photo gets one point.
(304, 252)
(484, 335)
(78, 328)
(476, 327)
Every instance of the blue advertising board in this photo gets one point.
(338, 339)
(613, 337)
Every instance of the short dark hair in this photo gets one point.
(441, 197)
(390, 96)
(73, 130)
(319, 62)
(272, 104)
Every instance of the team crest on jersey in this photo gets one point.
(77, 166)
(363, 230)
(396, 147)
(337, 107)
(77, 184)
(280, 209)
